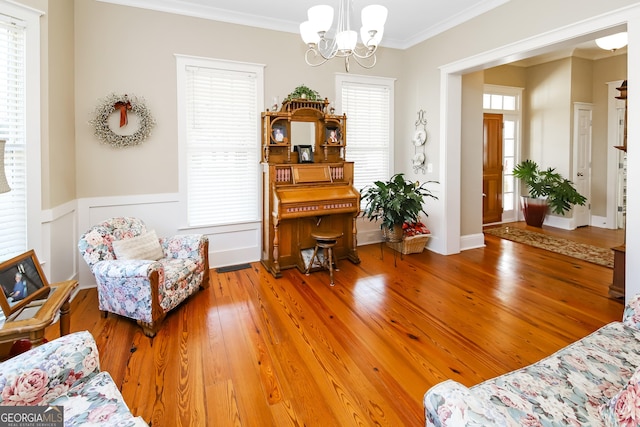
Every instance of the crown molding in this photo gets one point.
(260, 21)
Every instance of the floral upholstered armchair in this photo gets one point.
(141, 276)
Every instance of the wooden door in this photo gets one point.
(492, 169)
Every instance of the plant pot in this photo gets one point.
(534, 210)
(394, 234)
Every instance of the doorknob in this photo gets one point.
(580, 174)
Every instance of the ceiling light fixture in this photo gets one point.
(325, 44)
(613, 42)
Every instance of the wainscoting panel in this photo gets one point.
(58, 240)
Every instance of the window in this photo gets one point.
(219, 140)
(19, 229)
(509, 199)
(499, 102)
(368, 104)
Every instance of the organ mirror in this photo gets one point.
(303, 133)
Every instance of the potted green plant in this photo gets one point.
(303, 92)
(394, 202)
(546, 189)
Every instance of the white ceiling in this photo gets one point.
(409, 21)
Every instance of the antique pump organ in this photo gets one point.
(307, 184)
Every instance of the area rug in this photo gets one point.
(583, 251)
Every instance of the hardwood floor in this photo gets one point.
(253, 350)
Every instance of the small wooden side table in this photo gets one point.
(617, 287)
(32, 327)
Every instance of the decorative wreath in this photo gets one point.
(123, 103)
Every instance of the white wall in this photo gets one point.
(548, 115)
(633, 163)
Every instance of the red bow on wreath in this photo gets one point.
(123, 107)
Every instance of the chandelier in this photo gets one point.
(325, 43)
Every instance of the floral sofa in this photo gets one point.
(148, 279)
(594, 381)
(66, 372)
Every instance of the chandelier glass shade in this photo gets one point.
(613, 42)
(325, 43)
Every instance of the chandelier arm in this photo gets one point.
(359, 59)
(317, 57)
(327, 48)
(365, 52)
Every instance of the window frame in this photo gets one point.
(387, 82)
(182, 62)
(33, 140)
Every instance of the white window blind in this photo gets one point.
(369, 123)
(222, 146)
(13, 205)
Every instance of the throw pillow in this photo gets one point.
(624, 408)
(145, 246)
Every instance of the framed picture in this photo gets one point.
(22, 282)
(279, 133)
(305, 153)
(333, 135)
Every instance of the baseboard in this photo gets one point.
(600, 222)
(367, 237)
(472, 241)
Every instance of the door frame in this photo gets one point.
(516, 116)
(613, 154)
(446, 216)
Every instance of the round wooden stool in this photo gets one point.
(325, 240)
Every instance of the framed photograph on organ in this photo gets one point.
(279, 134)
(305, 153)
(333, 135)
(22, 282)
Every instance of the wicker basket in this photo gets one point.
(410, 245)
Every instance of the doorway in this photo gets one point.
(450, 141)
(492, 169)
(502, 138)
